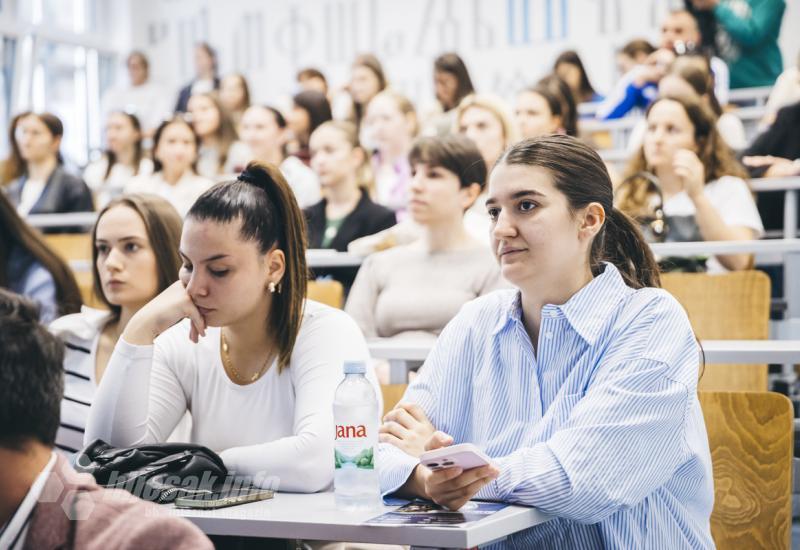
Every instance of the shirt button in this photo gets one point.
(548, 335)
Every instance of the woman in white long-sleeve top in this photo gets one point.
(236, 343)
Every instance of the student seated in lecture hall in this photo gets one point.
(135, 257)
(238, 344)
(581, 384)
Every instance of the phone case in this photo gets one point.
(465, 456)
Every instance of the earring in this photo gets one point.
(271, 287)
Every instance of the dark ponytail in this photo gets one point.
(270, 216)
(579, 173)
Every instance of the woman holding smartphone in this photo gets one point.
(580, 385)
(236, 343)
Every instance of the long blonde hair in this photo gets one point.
(497, 107)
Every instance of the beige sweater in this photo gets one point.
(410, 291)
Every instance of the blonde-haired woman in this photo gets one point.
(391, 124)
(487, 121)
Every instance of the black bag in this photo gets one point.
(657, 227)
(160, 472)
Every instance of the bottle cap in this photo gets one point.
(355, 367)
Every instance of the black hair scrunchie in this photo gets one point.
(247, 177)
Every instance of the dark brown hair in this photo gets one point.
(571, 57)
(162, 224)
(265, 204)
(559, 102)
(18, 233)
(31, 375)
(453, 152)
(311, 72)
(177, 119)
(636, 47)
(696, 71)
(15, 166)
(318, 108)
(563, 93)
(138, 152)
(225, 132)
(580, 174)
(452, 64)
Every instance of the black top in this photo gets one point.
(366, 219)
(63, 193)
(782, 139)
(186, 92)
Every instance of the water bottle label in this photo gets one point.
(353, 449)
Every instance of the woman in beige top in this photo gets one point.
(417, 288)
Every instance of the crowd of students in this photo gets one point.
(510, 243)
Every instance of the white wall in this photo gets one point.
(506, 43)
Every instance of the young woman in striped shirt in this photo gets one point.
(580, 384)
(135, 256)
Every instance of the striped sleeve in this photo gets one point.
(603, 458)
(448, 361)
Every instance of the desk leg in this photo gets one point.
(790, 214)
(398, 371)
(791, 291)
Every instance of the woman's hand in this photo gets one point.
(451, 487)
(407, 428)
(160, 313)
(689, 168)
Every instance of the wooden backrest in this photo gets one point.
(392, 393)
(726, 306)
(328, 292)
(71, 246)
(751, 437)
(77, 246)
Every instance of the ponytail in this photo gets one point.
(270, 216)
(622, 244)
(580, 174)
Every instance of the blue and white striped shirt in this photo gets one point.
(601, 427)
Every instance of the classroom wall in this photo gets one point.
(506, 43)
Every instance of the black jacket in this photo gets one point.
(368, 218)
(63, 193)
(186, 92)
(782, 139)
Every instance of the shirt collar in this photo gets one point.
(586, 311)
(589, 308)
(14, 530)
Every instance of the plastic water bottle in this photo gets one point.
(356, 416)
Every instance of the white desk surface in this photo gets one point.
(716, 351)
(315, 517)
(727, 247)
(318, 257)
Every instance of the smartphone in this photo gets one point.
(223, 499)
(464, 455)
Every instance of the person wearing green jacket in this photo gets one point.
(747, 38)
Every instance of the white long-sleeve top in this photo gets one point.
(280, 426)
